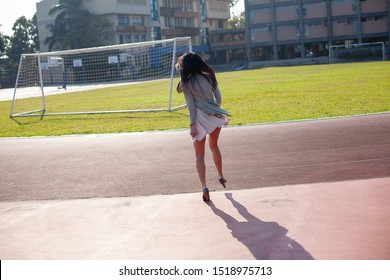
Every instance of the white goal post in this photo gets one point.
(357, 52)
(41, 74)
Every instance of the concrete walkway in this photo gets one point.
(301, 190)
(341, 220)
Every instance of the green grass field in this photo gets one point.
(252, 96)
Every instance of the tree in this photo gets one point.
(232, 3)
(34, 32)
(4, 41)
(3, 47)
(23, 40)
(58, 39)
(237, 21)
(3, 44)
(74, 27)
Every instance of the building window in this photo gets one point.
(238, 37)
(124, 38)
(182, 22)
(138, 20)
(364, 19)
(184, 5)
(179, 22)
(345, 21)
(190, 22)
(132, 2)
(123, 20)
(188, 5)
(221, 23)
(169, 22)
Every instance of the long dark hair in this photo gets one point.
(191, 64)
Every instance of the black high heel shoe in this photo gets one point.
(206, 194)
(222, 181)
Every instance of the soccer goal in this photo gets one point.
(357, 52)
(75, 73)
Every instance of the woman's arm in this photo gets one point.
(190, 106)
(218, 96)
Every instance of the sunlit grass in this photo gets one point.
(252, 96)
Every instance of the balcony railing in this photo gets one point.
(126, 28)
(172, 12)
(228, 44)
(180, 32)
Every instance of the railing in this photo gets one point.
(180, 32)
(172, 12)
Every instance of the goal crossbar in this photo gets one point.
(117, 59)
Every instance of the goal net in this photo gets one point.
(77, 79)
(357, 52)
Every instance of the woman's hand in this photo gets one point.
(193, 130)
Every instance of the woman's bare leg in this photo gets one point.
(213, 144)
(200, 163)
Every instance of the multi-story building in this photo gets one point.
(180, 18)
(145, 20)
(287, 29)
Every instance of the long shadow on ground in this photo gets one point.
(265, 240)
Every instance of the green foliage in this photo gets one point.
(23, 40)
(3, 44)
(252, 96)
(237, 21)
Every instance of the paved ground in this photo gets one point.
(300, 190)
(341, 220)
(8, 93)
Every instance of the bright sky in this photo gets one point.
(11, 12)
(240, 7)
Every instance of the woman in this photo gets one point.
(203, 98)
